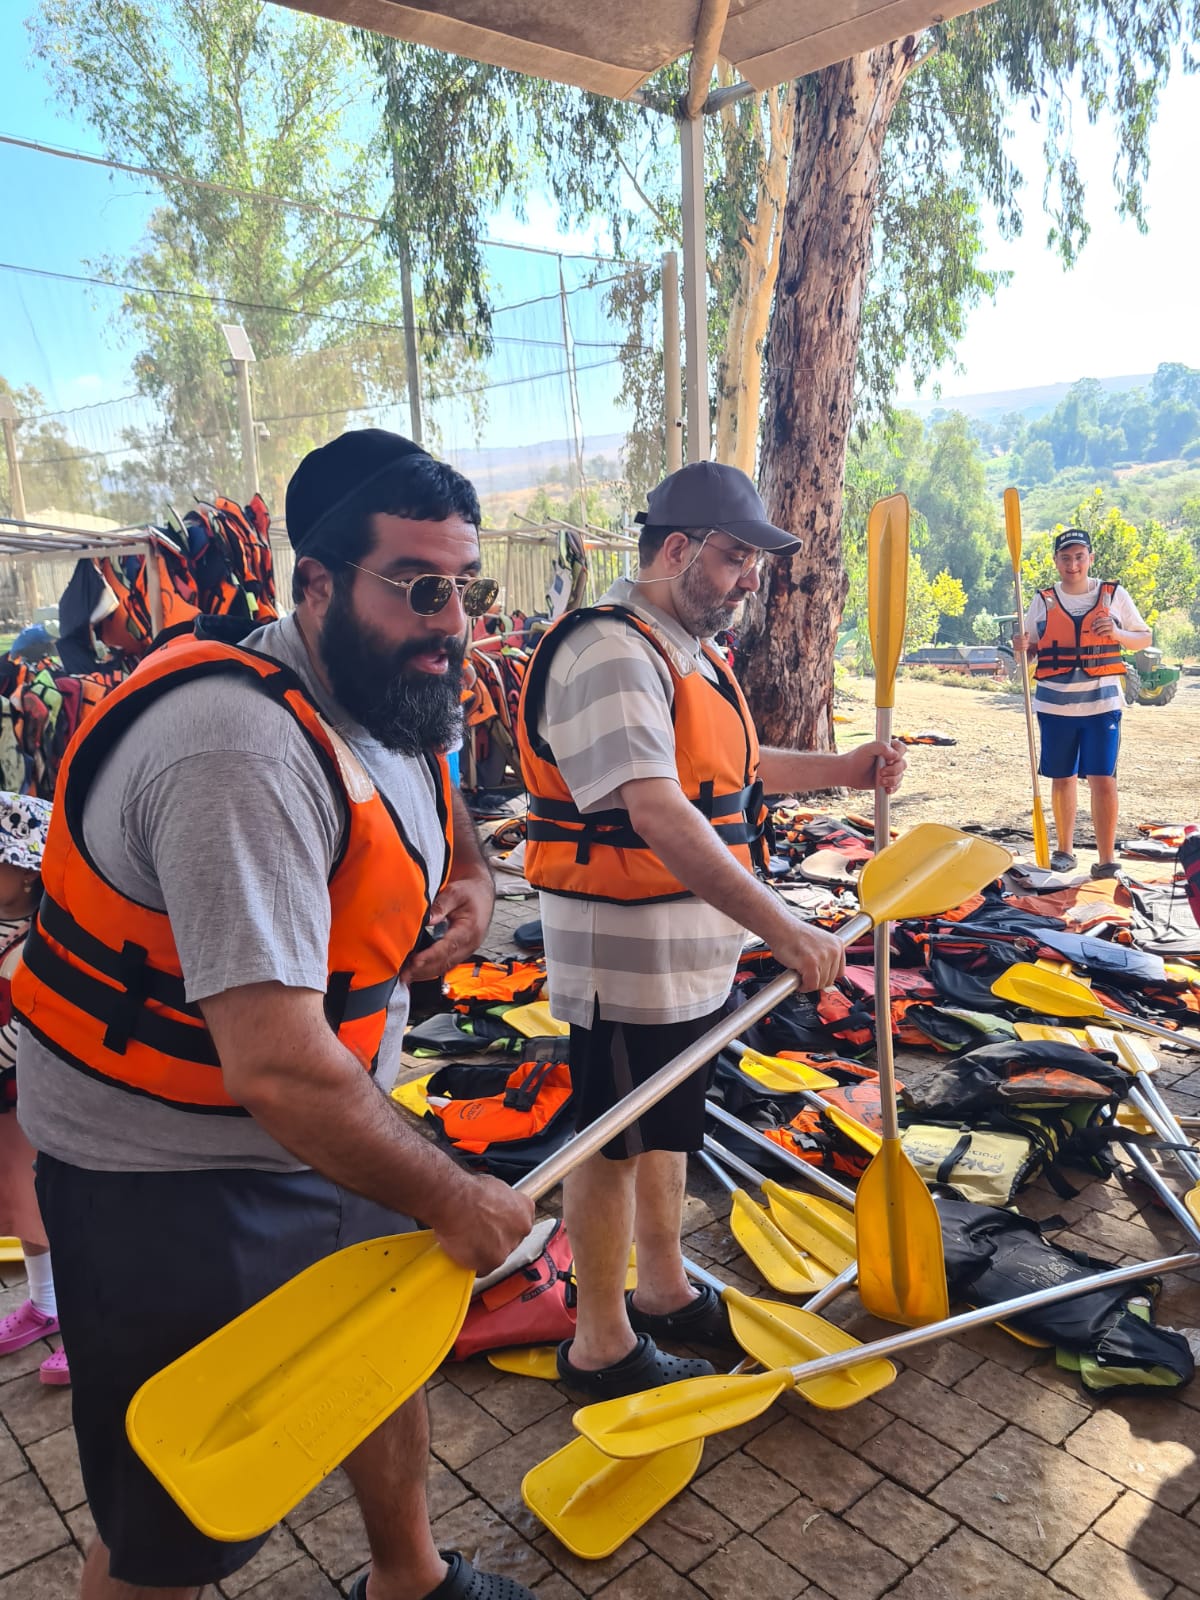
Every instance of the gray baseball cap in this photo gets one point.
(709, 495)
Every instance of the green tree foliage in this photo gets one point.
(55, 474)
(1156, 565)
(236, 95)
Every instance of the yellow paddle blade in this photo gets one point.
(782, 1264)
(678, 1413)
(776, 1072)
(928, 870)
(1012, 527)
(412, 1095)
(865, 1138)
(240, 1428)
(1041, 839)
(1038, 989)
(535, 1022)
(1130, 1117)
(1134, 1054)
(901, 1267)
(1047, 1030)
(824, 1229)
(786, 1336)
(10, 1250)
(887, 590)
(592, 1504)
(527, 1361)
(1192, 1201)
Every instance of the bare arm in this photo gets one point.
(687, 846)
(801, 771)
(282, 1062)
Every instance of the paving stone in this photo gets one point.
(1139, 1441)
(54, 1577)
(520, 1402)
(686, 1531)
(1018, 1399)
(331, 1491)
(302, 1580)
(443, 1490)
(280, 1551)
(472, 1377)
(496, 1475)
(585, 1577)
(716, 1242)
(949, 1417)
(12, 1462)
(556, 1587)
(901, 1522)
(745, 1567)
(337, 1539)
(1149, 1236)
(967, 1567)
(828, 1552)
(850, 1427)
(910, 1456)
(651, 1579)
(1180, 1593)
(490, 1543)
(744, 1491)
(815, 1465)
(1154, 1536)
(460, 1429)
(21, 1362)
(55, 1459)
(83, 1529)
(30, 1527)
(1033, 1500)
(1001, 1348)
(32, 1409)
(945, 1361)
(1094, 1567)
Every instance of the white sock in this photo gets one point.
(41, 1283)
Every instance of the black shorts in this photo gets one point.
(611, 1058)
(146, 1264)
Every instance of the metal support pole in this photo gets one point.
(672, 380)
(16, 490)
(241, 373)
(412, 361)
(695, 286)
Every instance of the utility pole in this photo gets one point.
(9, 420)
(672, 415)
(238, 368)
(412, 361)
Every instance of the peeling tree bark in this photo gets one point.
(842, 115)
(739, 377)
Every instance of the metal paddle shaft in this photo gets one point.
(239, 1429)
(1012, 527)
(821, 1180)
(658, 1419)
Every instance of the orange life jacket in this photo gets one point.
(598, 855)
(535, 1092)
(477, 985)
(1066, 642)
(101, 983)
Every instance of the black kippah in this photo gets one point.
(328, 480)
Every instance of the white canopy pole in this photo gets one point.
(695, 286)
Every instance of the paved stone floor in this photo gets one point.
(982, 1473)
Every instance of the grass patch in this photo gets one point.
(954, 680)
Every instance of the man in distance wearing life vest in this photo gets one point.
(1076, 631)
(249, 844)
(644, 836)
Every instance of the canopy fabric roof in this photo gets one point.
(613, 46)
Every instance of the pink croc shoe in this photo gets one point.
(55, 1369)
(23, 1326)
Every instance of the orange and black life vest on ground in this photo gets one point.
(101, 984)
(598, 855)
(1068, 642)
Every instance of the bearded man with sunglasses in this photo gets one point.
(250, 843)
(645, 837)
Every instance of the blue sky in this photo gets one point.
(1129, 304)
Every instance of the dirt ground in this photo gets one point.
(984, 778)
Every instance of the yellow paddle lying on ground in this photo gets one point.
(679, 1413)
(797, 1077)
(1012, 527)
(901, 1268)
(239, 1429)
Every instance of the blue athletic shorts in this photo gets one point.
(1085, 747)
(146, 1264)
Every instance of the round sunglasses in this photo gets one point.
(430, 592)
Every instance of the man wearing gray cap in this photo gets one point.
(645, 832)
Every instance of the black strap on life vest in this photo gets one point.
(734, 819)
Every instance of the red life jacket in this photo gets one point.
(100, 983)
(598, 855)
(1066, 642)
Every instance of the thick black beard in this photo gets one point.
(406, 711)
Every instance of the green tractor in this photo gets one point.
(1147, 681)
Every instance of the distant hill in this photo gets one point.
(1032, 403)
(523, 466)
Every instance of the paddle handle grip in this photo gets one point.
(820, 1180)
(597, 1134)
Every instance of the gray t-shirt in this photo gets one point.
(215, 809)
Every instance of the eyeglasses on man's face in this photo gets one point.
(430, 592)
(742, 558)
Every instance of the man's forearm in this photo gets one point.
(799, 771)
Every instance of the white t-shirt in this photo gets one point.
(1075, 694)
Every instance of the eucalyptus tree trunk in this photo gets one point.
(842, 115)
